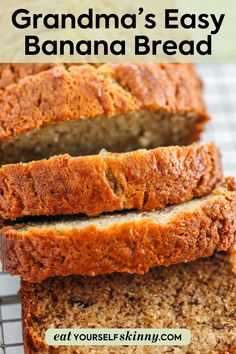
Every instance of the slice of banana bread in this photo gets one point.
(121, 242)
(144, 179)
(200, 296)
(80, 109)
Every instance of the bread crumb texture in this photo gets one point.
(199, 296)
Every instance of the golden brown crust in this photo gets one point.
(144, 179)
(231, 350)
(199, 296)
(67, 93)
(132, 245)
(12, 73)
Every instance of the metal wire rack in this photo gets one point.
(10, 315)
(220, 95)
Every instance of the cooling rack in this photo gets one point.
(220, 95)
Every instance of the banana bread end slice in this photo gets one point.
(199, 296)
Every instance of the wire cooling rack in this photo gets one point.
(220, 95)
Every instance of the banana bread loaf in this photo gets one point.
(80, 109)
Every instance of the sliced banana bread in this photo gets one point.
(200, 296)
(144, 179)
(121, 242)
(80, 109)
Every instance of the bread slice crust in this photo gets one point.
(144, 180)
(121, 242)
(12, 73)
